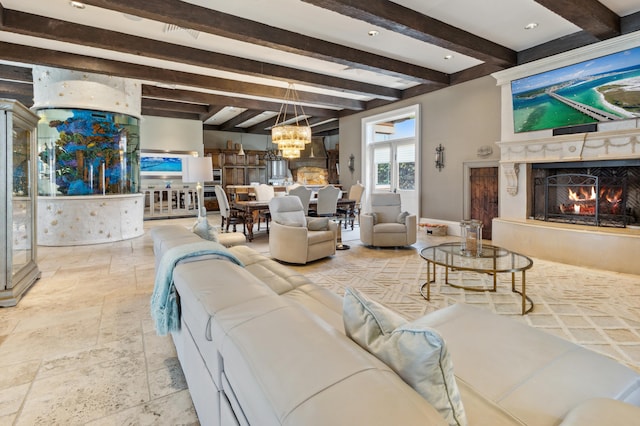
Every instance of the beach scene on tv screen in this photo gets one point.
(598, 90)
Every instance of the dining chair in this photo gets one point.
(305, 196)
(229, 216)
(292, 186)
(328, 201)
(327, 206)
(355, 194)
(264, 192)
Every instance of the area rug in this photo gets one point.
(596, 309)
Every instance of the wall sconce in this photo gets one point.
(439, 157)
(352, 163)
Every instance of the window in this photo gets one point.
(391, 146)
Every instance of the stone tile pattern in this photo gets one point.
(80, 348)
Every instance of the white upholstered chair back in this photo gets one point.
(292, 186)
(386, 205)
(305, 196)
(264, 192)
(355, 192)
(327, 200)
(287, 211)
(223, 202)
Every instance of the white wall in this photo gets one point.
(171, 134)
(462, 118)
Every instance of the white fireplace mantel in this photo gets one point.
(612, 145)
(577, 147)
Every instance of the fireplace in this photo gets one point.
(596, 193)
(570, 196)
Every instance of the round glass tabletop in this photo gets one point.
(491, 259)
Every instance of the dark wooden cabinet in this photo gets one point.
(332, 166)
(239, 169)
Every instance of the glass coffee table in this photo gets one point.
(493, 260)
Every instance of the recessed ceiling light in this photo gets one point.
(447, 57)
(373, 33)
(531, 26)
(77, 4)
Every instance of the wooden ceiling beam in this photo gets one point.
(16, 73)
(400, 19)
(22, 92)
(326, 127)
(53, 29)
(158, 104)
(232, 123)
(592, 16)
(212, 99)
(554, 47)
(474, 72)
(210, 21)
(16, 89)
(170, 114)
(263, 127)
(630, 23)
(46, 57)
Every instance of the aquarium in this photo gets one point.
(84, 152)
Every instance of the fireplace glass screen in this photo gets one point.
(597, 194)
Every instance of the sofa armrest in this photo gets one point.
(411, 222)
(602, 411)
(366, 228)
(333, 226)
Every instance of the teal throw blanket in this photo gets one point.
(164, 302)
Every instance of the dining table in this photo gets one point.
(250, 209)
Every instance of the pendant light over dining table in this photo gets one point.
(291, 138)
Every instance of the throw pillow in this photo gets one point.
(319, 224)
(402, 217)
(294, 223)
(417, 353)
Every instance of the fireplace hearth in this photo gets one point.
(595, 193)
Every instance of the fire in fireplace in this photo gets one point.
(604, 193)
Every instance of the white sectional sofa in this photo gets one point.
(261, 345)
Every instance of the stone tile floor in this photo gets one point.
(80, 348)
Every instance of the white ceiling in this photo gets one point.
(500, 21)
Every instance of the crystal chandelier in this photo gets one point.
(291, 138)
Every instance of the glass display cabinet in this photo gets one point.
(17, 201)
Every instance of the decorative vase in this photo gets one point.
(471, 237)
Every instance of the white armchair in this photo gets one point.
(386, 225)
(295, 238)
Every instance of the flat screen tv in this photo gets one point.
(597, 90)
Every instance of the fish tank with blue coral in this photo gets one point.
(85, 152)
